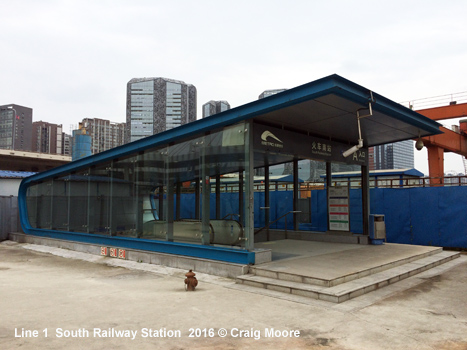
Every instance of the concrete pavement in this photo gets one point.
(87, 301)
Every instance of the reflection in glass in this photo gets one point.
(165, 193)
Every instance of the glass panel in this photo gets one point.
(31, 204)
(99, 189)
(39, 200)
(223, 154)
(150, 187)
(78, 185)
(60, 203)
(124, 199)
(183, 174)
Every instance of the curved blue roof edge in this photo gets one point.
(330, 84)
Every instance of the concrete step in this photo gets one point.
(351, 289)
(292, 277)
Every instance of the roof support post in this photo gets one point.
(197, 196)
(295, 195)
(267, 217)
(366, 199)
(218, 196)
(170, 211)
(240, 197)
(206, 194)
(328, 186)
(161, 202)
(249, 228)
(178, 190)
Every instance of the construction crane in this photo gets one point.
(449, 141)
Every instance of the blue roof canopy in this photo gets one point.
(326, 108)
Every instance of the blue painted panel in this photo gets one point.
(319, 210)
(425, 216)
(259, 213)
(281, 203)
(453, 224)
(187, 206)
(356, 218)
(394, 204)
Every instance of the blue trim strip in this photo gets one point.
(236, 256)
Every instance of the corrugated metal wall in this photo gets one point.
(9, 217)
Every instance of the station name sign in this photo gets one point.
(299, 145)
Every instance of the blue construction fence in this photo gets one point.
(281, 202)
(432, 216)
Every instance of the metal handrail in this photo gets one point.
(272, 222)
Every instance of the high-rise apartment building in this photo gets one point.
(15, 127)
(47, 138)
(399, 155)
(214, 107)
(104, 134)
(155, 105)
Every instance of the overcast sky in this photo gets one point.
(69, 60)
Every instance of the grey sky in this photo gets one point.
(72, 59)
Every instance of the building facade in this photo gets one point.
(268, 93)
(15, 127)
(47, 138)
(67, 144)
(398, 155)
(104, 133)
(155, 105)
(214, 107)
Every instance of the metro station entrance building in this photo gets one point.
(136, 196)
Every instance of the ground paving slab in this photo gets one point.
(87, 301)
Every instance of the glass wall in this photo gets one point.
(161, 193)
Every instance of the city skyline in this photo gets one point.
(86, 51)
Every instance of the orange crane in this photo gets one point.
(449, 141)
